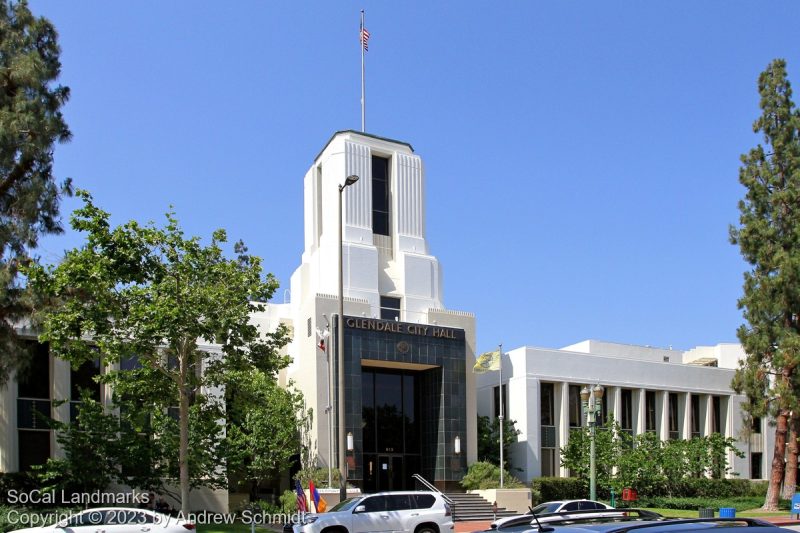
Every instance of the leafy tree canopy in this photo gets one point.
(174, 316)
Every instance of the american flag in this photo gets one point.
(365, 39)
(302, 505)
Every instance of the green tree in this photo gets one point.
(181, 309)
(30, 125)
(264, 427)
(489, 437)
(91, 447)
(769, 240)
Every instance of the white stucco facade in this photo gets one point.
(630, 375)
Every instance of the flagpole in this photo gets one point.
(363, 90)
(500, 349)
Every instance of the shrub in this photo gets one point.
(13, 517)
(288, 502)
(740, 503)
(319, 476)
(559, 488)
(16, 481)
(483, 475)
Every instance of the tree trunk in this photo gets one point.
(183, 423)
(790, 476)
(778, 462)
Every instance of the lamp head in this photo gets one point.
(349, 180)
(597, 390)
(585, 394)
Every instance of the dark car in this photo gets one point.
(663, 525)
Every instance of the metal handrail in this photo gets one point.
(432, 488)
(427, 484)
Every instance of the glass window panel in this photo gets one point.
(368, 410)
(82, 378)
(547, 407)
(388, 409)
(34, 449)
(410, 414)
(35, 381)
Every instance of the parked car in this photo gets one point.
(114, 520)
(662, 525)
(560, 506)
(414, 511)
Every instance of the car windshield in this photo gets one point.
(550, 507)
(345, 505)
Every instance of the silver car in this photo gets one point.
(412, 511)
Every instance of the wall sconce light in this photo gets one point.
(458, 445)
(349, 441)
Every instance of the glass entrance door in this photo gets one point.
(390, 472)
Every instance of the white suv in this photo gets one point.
(412, 511)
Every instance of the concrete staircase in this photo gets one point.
(472, 507)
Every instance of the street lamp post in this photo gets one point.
(340, 351)
(590, 398)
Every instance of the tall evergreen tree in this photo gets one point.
(769, 239)
(30, 124)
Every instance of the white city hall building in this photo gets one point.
(677, 395)
(410, 398)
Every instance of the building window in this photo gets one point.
(548, 411)
(549, 450)
(575, 406)
(496, 391)
(380, 195)
(548, 462)
(626, 417)
(756, 424)
(695, 415)
(390, 308)
(308, 327)
(34, 409)
(34, 448)
(650, 410)
(716, 414)
(674, 432)
(83, 381)
(755, 465)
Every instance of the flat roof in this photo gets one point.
(363, 134)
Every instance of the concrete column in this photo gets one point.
(563, 421)
(615, 401)
(686, 400)
(533, 431)
(640, 411)
(706, 414)
(9, 454)
(60, 391)
(662, 398)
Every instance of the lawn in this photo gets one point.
(693, 513)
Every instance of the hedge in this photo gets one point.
(559, 488)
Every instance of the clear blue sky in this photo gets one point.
(581, 157)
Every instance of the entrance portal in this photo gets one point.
(391, 435)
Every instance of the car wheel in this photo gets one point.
(426, 529)
(335, 529)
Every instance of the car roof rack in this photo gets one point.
(751, 522)
(592, 515)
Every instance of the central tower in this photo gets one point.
(408, 393)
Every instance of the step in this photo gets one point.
(469, 507)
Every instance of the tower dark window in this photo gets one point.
(650, 410)
(390, 308)
(380, 195)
